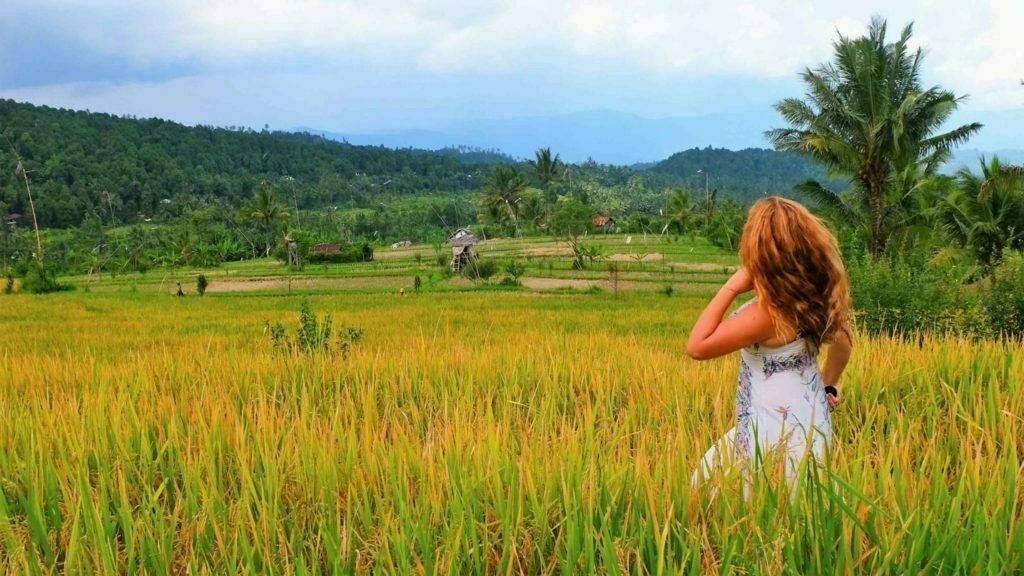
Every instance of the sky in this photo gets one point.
(386, 65)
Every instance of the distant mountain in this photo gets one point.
(971, 157)
(604, 136)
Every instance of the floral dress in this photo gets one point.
(780, 407)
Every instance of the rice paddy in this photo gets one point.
(474, 432)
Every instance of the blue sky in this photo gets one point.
(385, 65)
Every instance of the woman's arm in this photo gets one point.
(712, 337)
(839, 352)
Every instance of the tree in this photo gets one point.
(546, 169)
(265, 211)
(985, 213)
(680, 208)
(868, 117)
(570, 221)
(726, 227)
(503, 195)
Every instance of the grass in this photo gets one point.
(473, 432)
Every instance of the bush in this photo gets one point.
(40, 280)
(480, 269)
(667, 290)
(515, 269)
(1003, 300)
(313, 335)
(417, 283)
(201, 284)
(351, 253)
(909, 295)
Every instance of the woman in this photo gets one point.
(791, 262)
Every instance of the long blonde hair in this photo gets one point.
(796, 268)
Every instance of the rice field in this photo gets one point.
(474, 433)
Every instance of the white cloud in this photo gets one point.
(974, 49)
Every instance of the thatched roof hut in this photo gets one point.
(462, 237)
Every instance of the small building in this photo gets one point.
(325, 249)
(604, 223)
(461, 241)
(402, 244)
(12, 220)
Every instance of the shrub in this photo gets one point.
(480, 269)
(313, 335)
(40, 280)
(351, 253)
(908, 295)
(417, 283)
(667, 290)
(515, 269)
(201, 284)
(1003, 300)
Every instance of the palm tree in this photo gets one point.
(706, 208)
(985, 213)
(867, 116)
(266, 212)
(547, 170)
(680, 208)
(503, 195)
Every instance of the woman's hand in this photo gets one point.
(833, 399)
(740, 282)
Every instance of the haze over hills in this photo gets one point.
(625, 139)
(605, 136)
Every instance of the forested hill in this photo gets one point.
(83, 162)
(741, 174)
(127, 169)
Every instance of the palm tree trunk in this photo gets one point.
(32, 206)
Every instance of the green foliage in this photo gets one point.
(984, 213)
(867, 116)
(1003, 299)
(38, 279)
(680, 210)
(75, 156)
(417, 283)
(361, 252)
(503, 198)
(480, 269)
(548, 170)
(314, 334)
(908, 295)
(745, 175)
(726, 225)
(571, 219)
(515, 269)
(201, 284)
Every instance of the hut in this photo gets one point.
(603, 223)
(461, 241)
(12, 220)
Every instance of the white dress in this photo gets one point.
(780, 408)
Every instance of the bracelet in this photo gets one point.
(830, 389)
